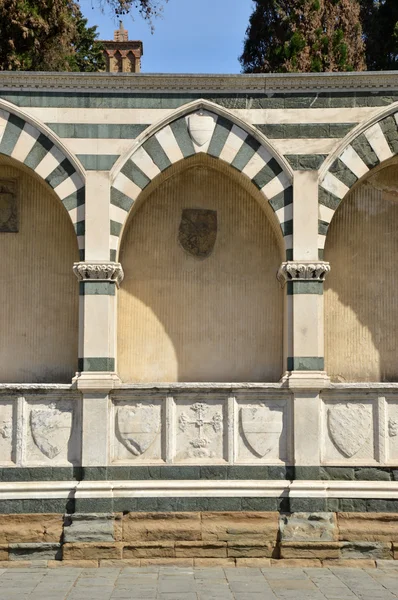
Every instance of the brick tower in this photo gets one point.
(122, 55)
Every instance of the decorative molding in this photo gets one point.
(260, 83)
(99, 271)
(303, 270)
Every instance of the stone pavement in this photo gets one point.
(172, 583)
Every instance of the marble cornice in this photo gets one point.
(266, 84)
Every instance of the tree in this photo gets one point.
(87, 53)
(303, 36)
(380, 27)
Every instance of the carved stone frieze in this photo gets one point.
(99, 271)
(302, 271)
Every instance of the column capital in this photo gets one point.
(302, 270)
(99, 271)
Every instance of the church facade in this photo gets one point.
(199, 317)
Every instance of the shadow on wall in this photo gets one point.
(361, 301)
(208, 315)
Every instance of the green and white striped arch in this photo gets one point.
(367, 147)
(35, 146)
(230, 140)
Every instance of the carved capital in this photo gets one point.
(302, 271)
(99, 271)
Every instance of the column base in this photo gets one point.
(96, 381)
(308, 380)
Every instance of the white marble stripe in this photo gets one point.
(117, 214)
(105, 146)
(147, 116)
(321, 241)
(326, 213)
(276, 185)
(25, 142)
(3, 122)
(77, 214)
(254, 166)
(354, 162)
(376, 139)
(80, 242)
(144, 162)
(114, 242)
(69, 185)
(169, 144)
(126, 186)
(305, 145)
(288, 239)
(285, 213)
(50, 162)
(233, 144)
(334, 186)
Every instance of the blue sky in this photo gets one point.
(191, 37)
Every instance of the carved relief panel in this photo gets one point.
(200, 429)
(262, 430)
(350, 430)
(7, 432)
(392, 430)
(137, 430)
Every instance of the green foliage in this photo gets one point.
(380, 25)
(87, 52)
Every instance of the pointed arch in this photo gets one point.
(30, 142)
(228, 138)
(367, 146)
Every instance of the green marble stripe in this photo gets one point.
(97, 130)
(365, 151)
(40, 149)
(282, 199)
(271, 170)
(11, 134)
(304, 287)
(219, 137)
(64, 170)
(112, 255)
(80, 227)
(115, 228)
(287, 227)
(343, 173)
(289, 254)
(98, 162)
(323, 227)
(389, 128)
(321, 253)
(305, 162)
(306, 130)
(96, 364)
(305, 363)
(121, 200)
(75, 199)
(328, 199)
(154, 149)
(182, 136)
(97, 288)
(245, 153)
(81, 254)
(134, 173)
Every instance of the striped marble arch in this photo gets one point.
(371, 146)
(229, 140)
(32, 145)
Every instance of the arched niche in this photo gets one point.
(39, 293)
(187, 318)
(361, 303)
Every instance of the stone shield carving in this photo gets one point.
(51, 429)
(197, 233)
(262, 428)
(137, 427)
(349, 427)
(200, 128)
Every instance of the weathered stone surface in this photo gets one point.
(372, 550)
(295, 562)
(214, 562)
(30, 528)
(92, 551)
(124, 562)
(3, 552)
(257, 563)
(161, 526)
(308, 527)
(168, 562)
(32, 551)
(368, 527)
(364, 563)
(229, 526)
(149, 550)
(77, 564)
(90, 527)
(201, 549)
(395, 551)
(317, 550)
(252, 550)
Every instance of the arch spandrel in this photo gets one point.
(34, 145)
(202, 128)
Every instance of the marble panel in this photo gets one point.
(7, 431)
(392, 429)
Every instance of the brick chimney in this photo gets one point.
(121, 54)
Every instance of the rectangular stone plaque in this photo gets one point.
(8, 206)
